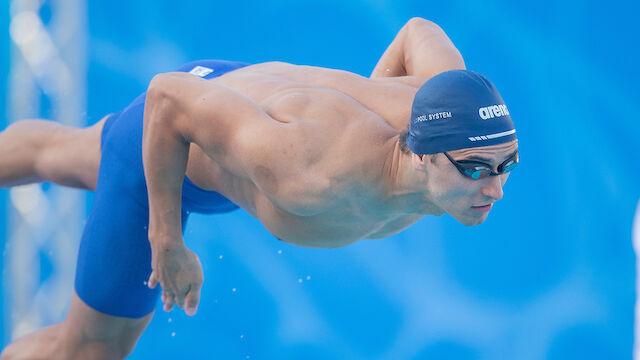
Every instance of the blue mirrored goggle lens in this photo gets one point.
(482, 172)
(509, 167)
(477, 173)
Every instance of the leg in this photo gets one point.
(111, 305)
(39, 150)
(86, 334)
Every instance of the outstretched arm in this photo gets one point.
(233, 130)
(181, 109)
(421, 49)
(165, 150)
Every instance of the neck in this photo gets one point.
(406, 189)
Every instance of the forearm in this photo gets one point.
(391, 63)
(420, 49)
(164, 154)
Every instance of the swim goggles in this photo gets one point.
(477, 170)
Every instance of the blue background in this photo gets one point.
(550, 275)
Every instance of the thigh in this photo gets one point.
(112, 303)
(90, 334)
(72, 156)
(114, 259)
(85, 334)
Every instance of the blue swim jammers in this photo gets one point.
(114, 260)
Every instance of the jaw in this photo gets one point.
(475, 222)
(471, 220)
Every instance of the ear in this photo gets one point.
(418, 162)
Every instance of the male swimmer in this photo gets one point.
(322, 157)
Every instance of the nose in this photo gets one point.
(492, 187)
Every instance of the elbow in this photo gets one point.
(418, 27)
(427, 42)
(421, 31)
(418, 22)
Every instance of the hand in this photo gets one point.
(179, 272)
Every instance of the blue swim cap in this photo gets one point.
(458, 109)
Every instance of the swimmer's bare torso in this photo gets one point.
(311, 152)
(322, 181)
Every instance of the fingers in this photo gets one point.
(168, 300)
(167, 296)
(181, 295)
(193, 299)
(181, 280)
(153, 281)
(187, 299)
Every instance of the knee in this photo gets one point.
(119, 349)
(92, 350)
(104, 351)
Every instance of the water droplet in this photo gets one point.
(248, 356)
(241, 336)
(173, 334)
(144, 282)
(170, 320)
(220, 257)
(300, 281)
(234, 289)
(308, 277)
(279, 252)
(146, 227)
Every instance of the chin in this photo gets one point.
(471, 221)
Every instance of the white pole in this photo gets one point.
(48, 61)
